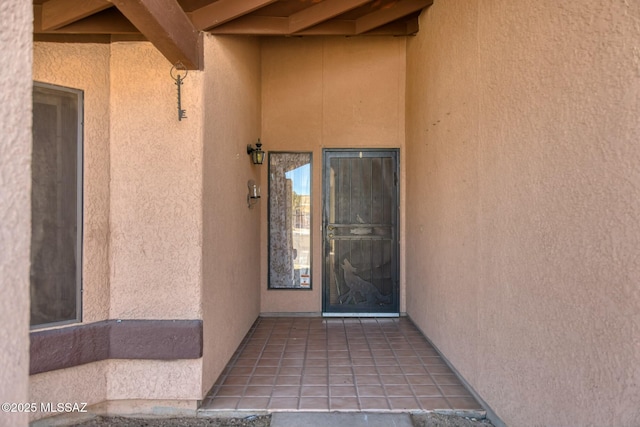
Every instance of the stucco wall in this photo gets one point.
(329, 92)
(156, 213)
(142, 213)
(523, 177)
(15, 208)
(86, 67)
(156, 188)
(231, 231)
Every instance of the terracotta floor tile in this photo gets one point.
(254, 403)
(316, 371)
(314, 379)
(246, 361)
(285, 391)
(464, 403)
(315, 364)
(340, 379)
(403, 403)
(362, 361)
(367, 380)
(292, 362)
(374, 404)
(290, 370)
(340, 361)
(261, 380)
(266, 370)
(386, 361)
(391, 370)
(271, 355)
(439, 370)
(414, 370)
(409, 361)
(365, 370)
(344, 404)
(229, 391)
(398, 390)
(316, 354)
(381, 352)
(290, 403)
(314, 391)
(340, 370)
(406, 353)
(433, 403)
(371, 391)
(258, 391)
(455, 391)
(342, 391)
(288, 380)
(241, 370)
(426, 391)
(446, 380)
(393, 379)
(268, 362)
(236, 380)
(419, 380)
(314, 403)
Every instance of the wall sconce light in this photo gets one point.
(254, 193)
(257, 155)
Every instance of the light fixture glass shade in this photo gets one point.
(257, 155)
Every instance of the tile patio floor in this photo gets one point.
(334, 364)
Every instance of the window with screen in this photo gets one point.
(56, 205)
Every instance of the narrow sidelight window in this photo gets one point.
(289, 220)
(56, 205)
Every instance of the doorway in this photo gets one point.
(360, 232)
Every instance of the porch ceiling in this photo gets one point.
(174, 26)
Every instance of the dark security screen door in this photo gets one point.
(360, 224)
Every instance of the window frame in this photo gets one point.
(270, 285)
(79, 93)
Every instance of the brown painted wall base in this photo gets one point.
(115, 339)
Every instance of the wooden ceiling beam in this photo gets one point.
(223, 11)
(58, 13)
(109, 21)
(166, 25)
(386, 15)
(254, 25)
(321, 12)
(279, 26)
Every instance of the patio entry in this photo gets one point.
(360, 232)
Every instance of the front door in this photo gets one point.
(360, 229)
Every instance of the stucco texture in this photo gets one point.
(524, 181)
(231, 231)
(15, 208)
(156, 188)
(81, 384)
(142, 211)
(320, 93)
(86, 67)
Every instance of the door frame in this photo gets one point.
(395, 231)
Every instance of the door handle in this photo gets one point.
(331, 228)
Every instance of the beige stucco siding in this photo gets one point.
(327, 92)
(86, 67)
(523, 176)
(156, 188)
(15, 208)
(231, 231)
